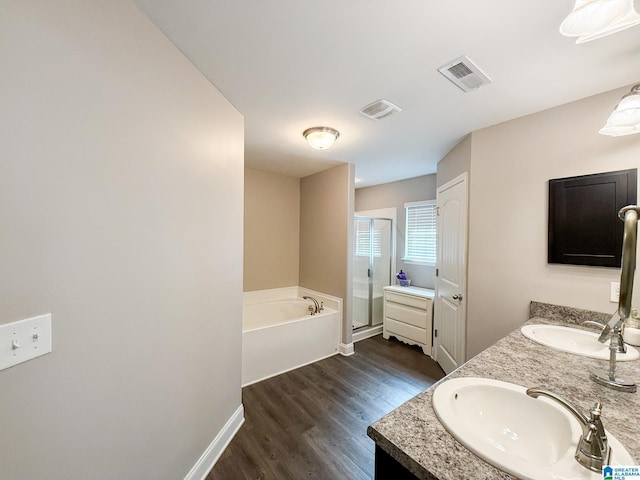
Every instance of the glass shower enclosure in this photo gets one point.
(371, 269)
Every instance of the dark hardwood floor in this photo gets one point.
(311, 423)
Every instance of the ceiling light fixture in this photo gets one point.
(593, 19)
(625, 119)
(321, 138)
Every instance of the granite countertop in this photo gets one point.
(413, 435)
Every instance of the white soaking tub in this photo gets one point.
(279, 334)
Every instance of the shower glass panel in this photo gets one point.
(371, 269)
(361, 254)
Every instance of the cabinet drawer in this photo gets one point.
(410, 315)
(412, 301)
(409, 331)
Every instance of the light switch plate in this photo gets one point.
(24, 340)
(615, 292)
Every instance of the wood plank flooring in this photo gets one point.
(311, 423)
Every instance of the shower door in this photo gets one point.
(371, 269)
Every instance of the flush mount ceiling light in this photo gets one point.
(625, 119)
(321, 138)
(593, 19)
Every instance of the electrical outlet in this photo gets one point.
(615, 292)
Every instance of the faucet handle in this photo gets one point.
(596, 411)
(593, 449)
(594, 418)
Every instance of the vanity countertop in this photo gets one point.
(414, 437)
(417, 291)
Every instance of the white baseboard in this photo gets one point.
(369, 332)
(211, 455)
(346, 349)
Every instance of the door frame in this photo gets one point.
(462, 342)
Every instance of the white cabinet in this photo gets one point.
(408, 315)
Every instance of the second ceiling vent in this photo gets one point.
(464, 74)
(379, 109)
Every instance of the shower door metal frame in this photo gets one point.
(370, 269)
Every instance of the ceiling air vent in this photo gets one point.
(379, 109)
(464, 74)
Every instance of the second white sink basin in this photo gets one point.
(573, 340)
(531, 438)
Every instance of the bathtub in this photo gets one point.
(279, 334)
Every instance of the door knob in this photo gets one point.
(457, 296)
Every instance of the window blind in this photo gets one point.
(420, 235)
(363, 239)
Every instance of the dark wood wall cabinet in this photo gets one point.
(584, 228)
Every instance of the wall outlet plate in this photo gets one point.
(615, 292)
(24, 340)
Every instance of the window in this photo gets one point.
(420, 234)
(362, 243)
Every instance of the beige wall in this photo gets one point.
(395, 195)
(512, 163)
(326, 223)
(271, 230)
(456, 162)
(121, 185)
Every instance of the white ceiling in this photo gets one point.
(287, 65)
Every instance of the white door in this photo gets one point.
(451, 280)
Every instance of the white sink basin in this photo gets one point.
(573, 340)
(531, 438)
